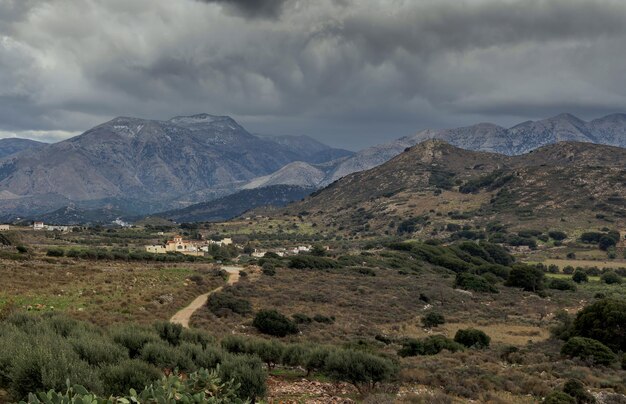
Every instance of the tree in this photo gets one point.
(526, 277)
(557, 235)
(273, 323)
(576, 389)
(588, 350)
(580, 276)
(605, 321)
(472, 338)
(361, 369)
(606, 242)
(433, 319)
(611, 278)
(318, 251)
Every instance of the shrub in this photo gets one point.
(130, 374)
(473, 282)
(98, 351)
(433, 319)
(588, 350)
(222, 303)
(133, 338)
(268, 269)
(558, 397)
(576, 389)
(580, 276)
(295, 355)
(557, 235)
(472, 338)
(312, 262)
(361, 369)
(315, 359)
(21, 249)
(526, 277)
(605, 321)
(169, 332)
(270, 352)
(428, 346)
(55, 252)
(318, 318)
(561, 284)
(611, 278)
(274, 323)
(247, 372)
(300, 318)
(164, 356)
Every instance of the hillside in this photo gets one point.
(144, 164)
(10, 146)
(609, 130)
(230, 206)
(434, 183)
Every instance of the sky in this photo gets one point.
(351, 73)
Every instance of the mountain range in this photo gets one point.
(136, 166)
(519, 139)
(142, 166)
(435, 182)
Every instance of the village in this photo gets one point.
(200, 248)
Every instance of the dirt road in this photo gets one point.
(184, 315)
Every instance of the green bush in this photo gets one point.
(247, 372)
(274, 323)
(558, 397)
(315, 359)
(130, 374)
(312, 262)
(576, 389)
(55, 252)
(428, 346)
(605, 321)
(588, 350)
(133, 338)
(361, 369)
(98, 351)
(526, 277)
(474, 283)
(472, 338)
(580, 276)
(222, 303)
(300, 318)
(433, 319)
(164, 356)
(561, 284)
(557, 235)
(611, 278)
(168, 332)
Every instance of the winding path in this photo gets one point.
(184, 315)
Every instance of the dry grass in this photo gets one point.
(104, 292)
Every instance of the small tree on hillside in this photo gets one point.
(526, 277)
(273, 323)
(580, 276)
(433, 319)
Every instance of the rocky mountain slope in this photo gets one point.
(522, 138)
(437, 182)
(145, 164)
(10, 146)
(230, 206)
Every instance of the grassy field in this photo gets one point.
(103, 292)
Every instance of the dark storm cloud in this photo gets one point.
(352, 72)
(253, 8)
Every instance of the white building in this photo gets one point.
(39, 226)
(222, 242)
(5, 227)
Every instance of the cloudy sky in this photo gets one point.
(348, 72)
